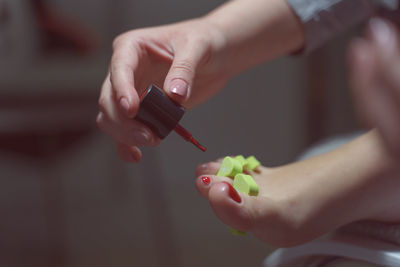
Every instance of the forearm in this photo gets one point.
(256, 31)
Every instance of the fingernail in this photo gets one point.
(206, 180)
(232, 193)
(125, 105)
(141, 137)
(179, 88)
(383, 33)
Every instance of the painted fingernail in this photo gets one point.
(179, 87)
(383, 33)
(142, 137)
(125, 105)
(232, 193)
(206, 180)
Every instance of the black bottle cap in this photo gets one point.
(159, 112)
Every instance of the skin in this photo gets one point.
(301, 201)
(374, 64)
(191, 60)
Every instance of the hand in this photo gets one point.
(182, 58)
(375, 79)
(191, 61)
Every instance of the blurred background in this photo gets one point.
(65, 197)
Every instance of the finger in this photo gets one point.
(180, 77)
(122, 129)
(124, 62)
(104, 93)
(231, 207)
(129, 154)
(107, 103)
(131, 133)
(205, 182)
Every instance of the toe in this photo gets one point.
(208, 168)
(231, 207)
(205, 182)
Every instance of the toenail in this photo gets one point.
(206, 180)
(232, 193)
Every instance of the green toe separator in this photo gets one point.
(233, 168)
(244, 183)
(230, 167)
(237, 232)
(252, 163)
(242, 161)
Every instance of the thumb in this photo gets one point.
(179, 80)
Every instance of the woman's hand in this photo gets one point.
(191, 61)
(181, 58)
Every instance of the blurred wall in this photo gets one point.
(65, 197)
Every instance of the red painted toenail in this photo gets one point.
(233, 193)
(206, 180)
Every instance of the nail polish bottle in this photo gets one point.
(162, 115)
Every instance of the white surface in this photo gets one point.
(351, 247)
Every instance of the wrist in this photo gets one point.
(220, 48)
(256, 31)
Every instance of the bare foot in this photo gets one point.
(301, 201)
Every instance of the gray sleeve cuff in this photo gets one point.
(323, 19)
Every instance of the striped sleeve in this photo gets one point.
(323, 19)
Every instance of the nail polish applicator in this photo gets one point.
(158, 112)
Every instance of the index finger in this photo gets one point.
(124, 62)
